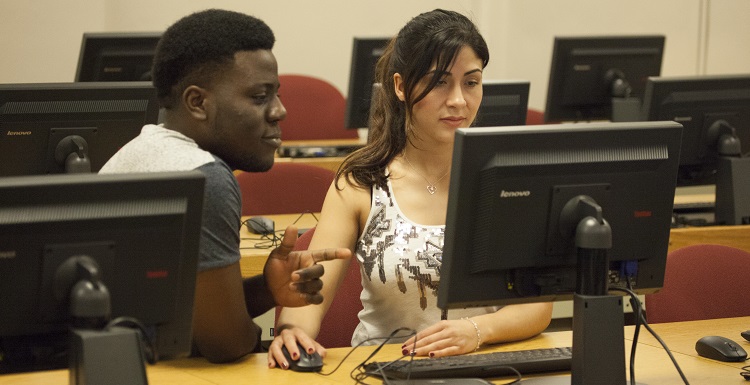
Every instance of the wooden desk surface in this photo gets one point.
(254, 257)
(652, 365)
(331, 163)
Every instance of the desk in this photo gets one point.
(652, 366)
(331, 163)
(253, 259)
(736, 236)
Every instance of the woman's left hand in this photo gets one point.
(445, 338)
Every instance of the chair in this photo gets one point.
(534, 117)
(315, 109)
(702, 282)
(288, 188)
(339, 323)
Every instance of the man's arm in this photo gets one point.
(258, 298)
(222, 328)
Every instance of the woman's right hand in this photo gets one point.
(290, 336)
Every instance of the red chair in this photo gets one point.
(288, 188)
(339, 323)
(534, 117)
(315, 109)
(702, 282)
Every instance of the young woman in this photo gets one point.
(388, 203)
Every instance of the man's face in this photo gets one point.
(246, 111)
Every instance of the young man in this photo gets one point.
(217, 81)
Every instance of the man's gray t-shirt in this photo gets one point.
(158, 149)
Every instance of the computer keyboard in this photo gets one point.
(307, 151)
(483, 365)
(683, 207)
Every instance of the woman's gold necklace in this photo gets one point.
(431, 188)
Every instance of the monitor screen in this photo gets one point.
(601, 77)
(504, 103)
(51, 128)
(365, 54)
(554, 212)
(715, 111)
(140, 230)
(116, 56)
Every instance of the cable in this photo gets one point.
(653, 333)
(148, 346)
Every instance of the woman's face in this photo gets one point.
(454, 101)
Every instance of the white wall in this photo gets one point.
(41, 38)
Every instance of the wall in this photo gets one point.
(42, 37)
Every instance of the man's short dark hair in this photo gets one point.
(194, 49)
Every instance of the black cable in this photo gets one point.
(637, 306)
(148, 346)
(745, 372)
(362, 374)
(272, 239)
(653, 333)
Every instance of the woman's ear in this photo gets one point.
(195, 101)
(398, 86)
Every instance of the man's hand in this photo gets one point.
(293, 277)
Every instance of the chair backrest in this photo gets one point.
(339, 323)
(315, 109)
(534, 117)
(702, 282)
(287, 188)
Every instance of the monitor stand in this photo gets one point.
(732, 189)
(598, 320)
(626, 109)
(111, 356)
(98, 353)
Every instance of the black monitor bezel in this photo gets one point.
(474, 147)
(35, 116)
(698, 96)
(361, 79)
(513, 103)
(626, 47)
(102, 210)
(96, 45)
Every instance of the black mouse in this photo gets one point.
(720, 349)
(307, 362)
(260, 225)
(746, 335)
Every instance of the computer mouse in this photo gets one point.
(746, 335)
(720, 349)
(260, 225)
(307, 362)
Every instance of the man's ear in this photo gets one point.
(195, 101)
(398, 86)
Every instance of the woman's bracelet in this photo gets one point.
(479, 334)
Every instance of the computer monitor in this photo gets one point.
(50, 128)
(546, 213)
(365, 54)
(601, 77)
(715, 111)
(116, 56)
(66, 240)
(504, 103)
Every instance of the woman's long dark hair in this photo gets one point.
(431, 39)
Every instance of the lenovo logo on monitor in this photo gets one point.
(514, 194)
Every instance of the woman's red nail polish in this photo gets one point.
(404, 351)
